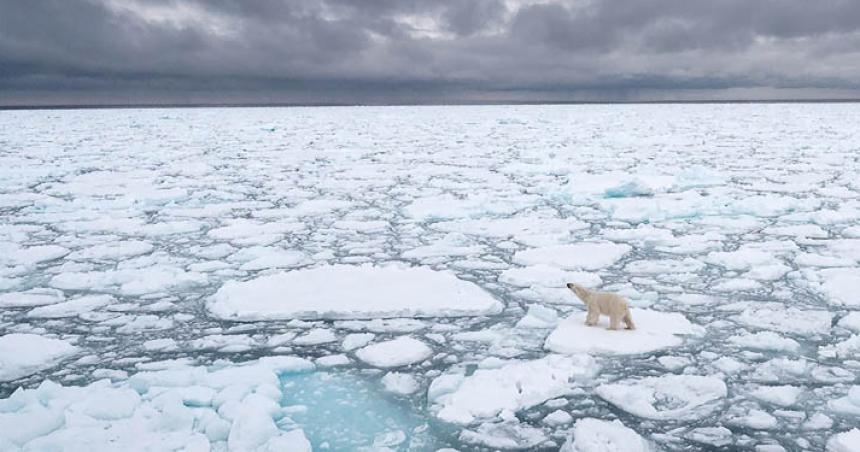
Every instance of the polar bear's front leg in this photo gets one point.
(593, 316)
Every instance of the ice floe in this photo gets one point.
(25, 354)
(32, 297)
(504, 435)
(654, 331)
(113, 250)
(546, 276)
(851, 321)
(845, 441)
(400, 383)
(840, 284)
(352, 292)
(778, 317)
(403, 351)
(764, 340)
(72, 307)
(514, 386)
(539, 317)
(597, 435)
(584, 256)
(848, 405)
(131, 281)
(669, 397)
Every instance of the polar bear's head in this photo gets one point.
(580, 291)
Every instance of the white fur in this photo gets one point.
(605, 303)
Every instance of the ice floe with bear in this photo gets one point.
(654, 331)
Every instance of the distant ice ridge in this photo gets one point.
(172, 407)
(352, 292)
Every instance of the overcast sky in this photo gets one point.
(423, 51)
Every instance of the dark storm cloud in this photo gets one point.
(422, 50)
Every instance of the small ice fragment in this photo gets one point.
(400, 383)
(356, 340)
(557, 417)
(539, 317)
(403, 351)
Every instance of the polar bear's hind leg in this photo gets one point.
(614, 321)
(628, 320)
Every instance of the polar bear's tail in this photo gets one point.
(628, 320)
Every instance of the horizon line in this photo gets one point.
(131, 106)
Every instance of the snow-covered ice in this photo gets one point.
(179, 407)
(848, 441)
(539, 316)
(352, 292)
(513, 386)
(779, 395)
(72, 307)
(778, 317)
(654, 331)
(584, 256)
(403, 351)
(400, 383)
(33, 297)
(669, 397)
(839, 285)
(393, 277)
(25, 354)
(596, 435)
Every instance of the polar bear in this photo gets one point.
(603, 303)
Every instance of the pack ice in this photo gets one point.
(393, 278)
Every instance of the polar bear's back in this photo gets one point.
(609, 303)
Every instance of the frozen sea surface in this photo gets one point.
(370, 278)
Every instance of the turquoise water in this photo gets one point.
(347, 411)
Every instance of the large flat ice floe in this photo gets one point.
(130, 281)
(669, 397)
(654, 330)
(25, 354)
(839, 285)
(512, 387)
(578, 256)
(352, 292)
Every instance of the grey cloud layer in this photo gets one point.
(425, 48)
